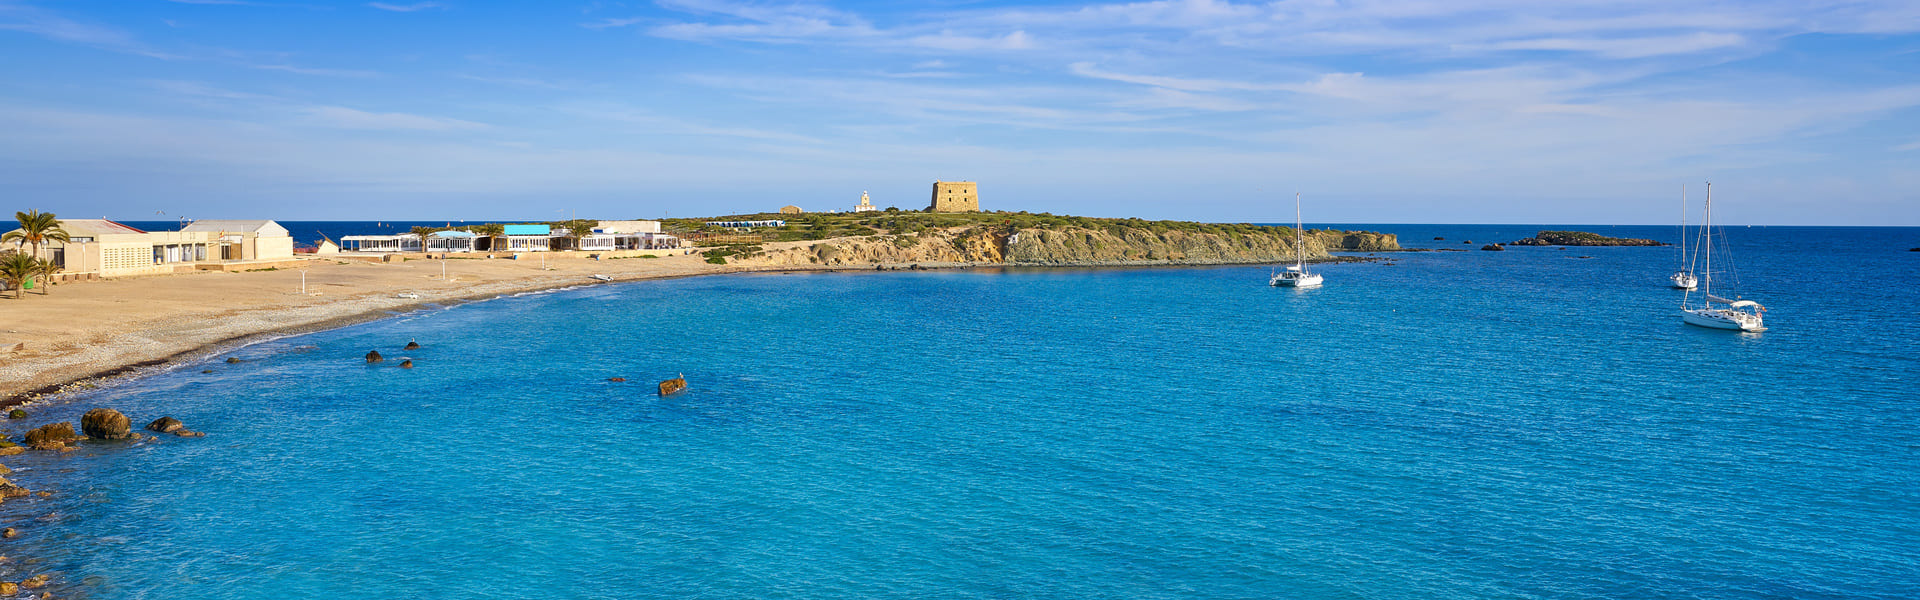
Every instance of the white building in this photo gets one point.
(866, 205)
(246, 240)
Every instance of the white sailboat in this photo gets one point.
(1683, 277)
(1738, 315)
(1296, 275)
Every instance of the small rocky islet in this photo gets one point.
(1580, 238)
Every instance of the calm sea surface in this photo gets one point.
(1519, 424)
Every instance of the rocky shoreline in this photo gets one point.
(1580, 238)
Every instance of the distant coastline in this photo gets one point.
(82, 335)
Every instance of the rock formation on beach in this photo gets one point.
(1580, 238)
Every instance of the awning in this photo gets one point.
(1746, 303)
(452, 234)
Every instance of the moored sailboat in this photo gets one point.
(1296, 275)
(1683, 278)
(1736, 314)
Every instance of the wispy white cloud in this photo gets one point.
(417, 6)
(1909, 147)
(16, 17)
(347, 118)
(315, 71)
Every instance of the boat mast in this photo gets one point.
(1299, 251)
(1683, 229)
(1706, 249)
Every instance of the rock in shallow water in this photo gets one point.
(373, 356)
(16, 414)
(51, 436)
(412, 345)
(165, 425)
(106, 424)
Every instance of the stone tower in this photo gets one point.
(955, 196)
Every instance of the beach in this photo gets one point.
(81, 331)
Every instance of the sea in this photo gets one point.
(1451, 423)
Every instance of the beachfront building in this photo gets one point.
(529, 238)
(955, 196)
(450, 241)
(246, 240)
(405, 242)
(109, 249)
(636, 235)
(866, 204)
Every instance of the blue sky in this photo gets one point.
(1463, 111)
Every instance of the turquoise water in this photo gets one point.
(1522, 424)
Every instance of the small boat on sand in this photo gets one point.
(599, 277)
(407, 295)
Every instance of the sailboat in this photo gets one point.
(1683, 278)
(1738, 315)
(1296, 275)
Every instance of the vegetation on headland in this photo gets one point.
(820, 226)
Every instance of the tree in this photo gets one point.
(578, 229)
(16, 269)
(425, 233)
(493, 231)
(35, 228)
(43, 270)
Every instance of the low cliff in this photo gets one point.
(1069, 246)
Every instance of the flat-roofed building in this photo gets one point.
(246, 239)
(955, 196)
(529, 238)
(110, 249)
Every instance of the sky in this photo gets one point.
(1801, 112)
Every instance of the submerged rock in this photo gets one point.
(406, 364)
(106, 424)
(373, 356)
(233, 360)
(165, 425)
(34, 582)
(617, 379)
(16, 414)
(9, 533)
(8, 588)
(1493, 247)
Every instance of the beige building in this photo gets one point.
(110, 249)
(866, 204)
(104, 248)
(246, 240)
(790, 210)
(955, 196)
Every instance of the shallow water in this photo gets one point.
(1522, 424)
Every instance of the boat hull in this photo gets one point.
(1716, 318)
(1301, 281)
(1684, 281)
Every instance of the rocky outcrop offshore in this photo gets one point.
(1580, 238)
(1069, 246)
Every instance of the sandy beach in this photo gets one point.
(80, 331)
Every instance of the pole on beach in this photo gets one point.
(303, 282)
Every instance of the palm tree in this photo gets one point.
(44, 270)
(493, 231)
(35, 228)
(424, 233)
(16, 269)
